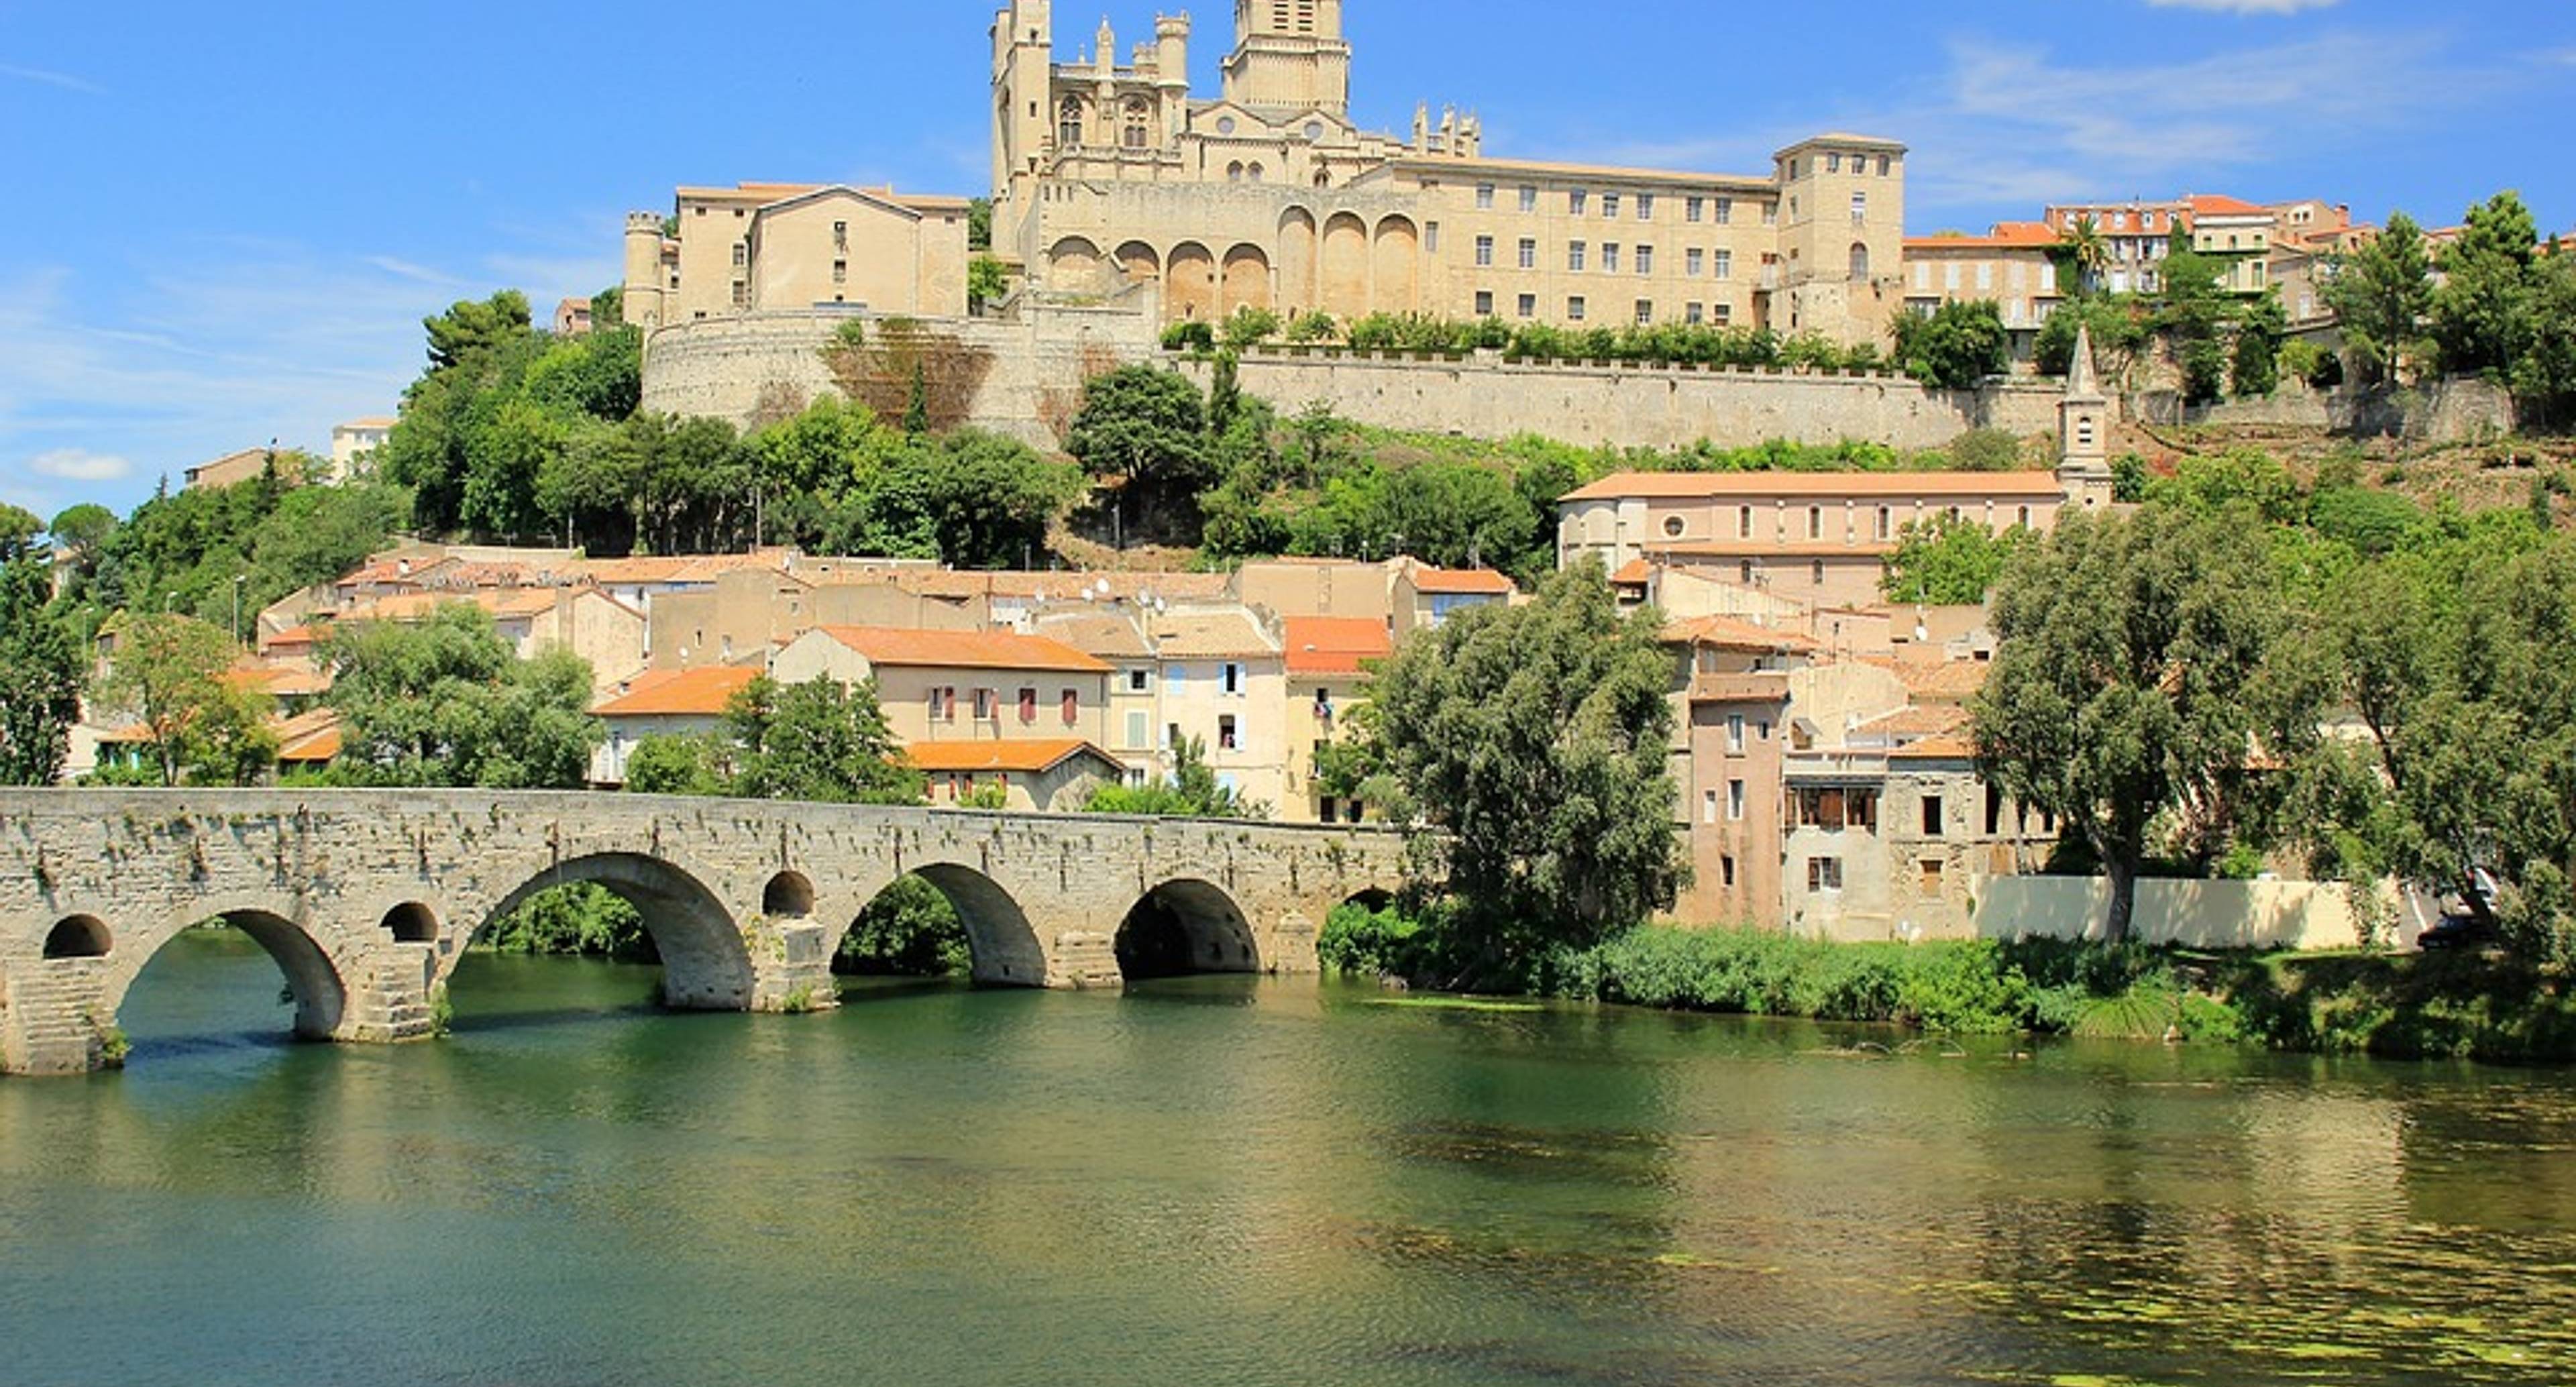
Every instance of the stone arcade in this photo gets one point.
(367, 900)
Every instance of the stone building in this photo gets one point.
(966, 686)
(1109, 179)
(2011, 266)
(770, 247)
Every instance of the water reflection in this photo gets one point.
(1257, 1182)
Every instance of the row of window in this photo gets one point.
(1580, 202)
(1696, 260)
(2017, 276)
(1883, 521)
(988, 705)
(1837, 162)
(1229, 733)
(1579, 309)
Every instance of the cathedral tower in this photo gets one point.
(1289, 56)
(2083, 429)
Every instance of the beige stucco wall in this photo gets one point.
(2200, 914)
(1193, 699)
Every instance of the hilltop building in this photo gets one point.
(1110, 175)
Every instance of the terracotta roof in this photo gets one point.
(1678, 486)
(309, 738)
(1109, 635)
(291, 636)
(1949, 746)
(1919, 720)
(701, 692)
(1032, 756)
(1943, 681)
(1635, 573)
(2215, 206)
(884, 645)
(1756, 687)
(1731, 633)
(2004, 236)
(277, 682)
(1188, 635)
(505, 603)
(1462, 581)
(1334, 644)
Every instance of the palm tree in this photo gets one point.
(2085, 244)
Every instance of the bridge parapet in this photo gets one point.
(368, 899)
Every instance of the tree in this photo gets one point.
(979, 223)
(40, 657)
(987, 280)
(1949, 563)
(1956, 347)
(678, 765)
(1535, 740)
(2127, 678)
(469, 329)
(821, 740)
(2084, 247)
(167, 673)
(444, 701)
(2382, 293)
(2544, 376)
(2480, 313)
(1147, 426)
(2256, 370)
(1192, 792)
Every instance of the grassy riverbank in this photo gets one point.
(2400, 1006)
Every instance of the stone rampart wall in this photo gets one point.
(2195, 914)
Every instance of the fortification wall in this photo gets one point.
(1485, 396)
(2464, 410)
(767, 366)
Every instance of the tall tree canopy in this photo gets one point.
(166, 672)
(446, 702)
(41, 665)
(2130, 682)
(2383, 293)
(820, 740)
(1535, 741)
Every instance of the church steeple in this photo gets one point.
(1289, 56)
(2083, 431)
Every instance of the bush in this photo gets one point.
(1189, 337)
(1362, 942)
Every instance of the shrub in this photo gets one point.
(1189, 337)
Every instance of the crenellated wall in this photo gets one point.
(367, 899)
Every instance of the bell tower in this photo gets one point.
(1289, 57)
(2083, 432)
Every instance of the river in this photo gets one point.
(1239, 1182)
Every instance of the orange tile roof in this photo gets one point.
(2210, 205)
(884, 645)
(1033, 755)
(1918, 720)
(309, 738)
(1730, 633)
(700, 692)
(1334, 644)
(1635, 573)
(1949, 746)
(2005, 236)
(1692, 486)
(1754, 687)
(1943, 681)
(1202, 635)
(1456, 581)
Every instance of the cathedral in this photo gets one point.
(1111, 179)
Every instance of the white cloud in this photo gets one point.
(2245, 6)
(79, 465)
(64, 80)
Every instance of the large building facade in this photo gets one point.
(1110, 180)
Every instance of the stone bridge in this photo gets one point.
(367, 899)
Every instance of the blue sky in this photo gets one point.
(225, 222)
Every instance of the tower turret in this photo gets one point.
(646, 287)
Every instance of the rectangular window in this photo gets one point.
(1824, 874)
(1171, 735)
(1574, 255)
(1735, 733)
(1138, 681)
(1694, 261)
(1431, 237)
(1645, 311)
(1484, 303)
(1574, 203)
(1726, 871)
(1072, 702)
(1574, 309)
(1694, 313)
(1815, 522)
(1226, 738)
(1529, 305)
(1139, 729)
(741, 294)
(1726, 264)
(1735, 801)
(1609, 258)
(1932, 823)
(1744, 522)
(1833, 163)
(984, 701)
(1725, 211)
(1694, 208)
(1529, 253)
(1645, 207)
(1231, 680)
(1930, 867)
(1529, 199)
(1609, 207)
(1886, 522)
(1950, 276)
(840, 235)
(1725, 311)
(943, 705)
(1645, 260)
(1985, 276)
(1028, 705)
(1860, 208)
(1770, 214)
(840, 272)
(741, 254)
(1708, 806)
(1484, 197)
(1885, 162)
(1484, 251)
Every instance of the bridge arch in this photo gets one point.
(78, 936)
(706, 964)
(788, 896)
(1000, 940)
(317, 969)
(411, 922)
(1185, 926)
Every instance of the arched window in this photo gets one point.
(1135, 134)
(1068, 123)
(1859, 263)
(1234, 172)
(1254, 174)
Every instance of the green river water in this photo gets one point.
(1238, 1182)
